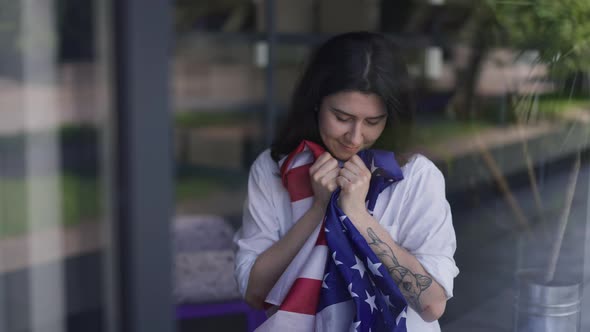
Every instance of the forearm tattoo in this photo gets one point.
(410, 284)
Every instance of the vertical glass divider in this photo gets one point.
(43, 189)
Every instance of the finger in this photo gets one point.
(352, 167)
(347, 174)
(342, 182)
(329, 166)
(357, 161)
(330, 176)
(322, 159)
(329, 180)
(357, 166)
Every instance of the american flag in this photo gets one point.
(336, 282)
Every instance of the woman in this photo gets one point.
(354, 88)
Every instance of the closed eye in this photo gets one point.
(374, 122)
(343, 119)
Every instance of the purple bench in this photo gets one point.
(204, 261)
(189, 311)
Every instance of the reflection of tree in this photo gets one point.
(457, 22)
(558, 30)
(559, 33)
(220, 15)
(479, 32)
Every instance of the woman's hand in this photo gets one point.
(323, 175)
(354, 180)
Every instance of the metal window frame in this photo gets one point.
(141, 195)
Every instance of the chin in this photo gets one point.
(344, 156)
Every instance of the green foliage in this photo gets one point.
(558, 30)
(80, 201)
(199, 119)
(552, 107)
(409, 137)
(81, 198)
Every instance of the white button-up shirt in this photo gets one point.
(414, 211)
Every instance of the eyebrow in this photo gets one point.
(379, 117)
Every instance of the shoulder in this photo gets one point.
(421, 174)
(264, 163)
(418, 165)
(264, 168)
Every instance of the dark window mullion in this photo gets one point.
(142, 197)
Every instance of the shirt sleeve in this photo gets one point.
(426, 226)
(260, 227)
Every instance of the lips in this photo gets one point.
(350, 148)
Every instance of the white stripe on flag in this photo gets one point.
(300, 207)
(284, 321)
(281, 288)
(336, 317)
(314, 267)
(303, 158)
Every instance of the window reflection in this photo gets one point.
(53, 105)
(502, 108)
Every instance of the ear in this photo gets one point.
(423, 282)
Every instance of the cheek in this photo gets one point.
(374, 133)
(331, 129)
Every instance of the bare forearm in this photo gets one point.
(271, 264)
(421, 292)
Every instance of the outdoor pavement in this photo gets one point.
(491, 250)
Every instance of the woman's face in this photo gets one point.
(350, 121)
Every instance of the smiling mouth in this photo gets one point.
(350, 148)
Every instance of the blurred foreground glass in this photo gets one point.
(218, 89)
(518, 184)
(53, 109)
(503, 104)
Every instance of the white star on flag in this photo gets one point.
(342, 218)
(324, 270)
(373, 167)
(399, 317)
(352, 294)
(374, 268)
(324, 285)
(359, 266)
(387, 301)
(371, 301)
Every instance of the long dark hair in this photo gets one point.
(366, 62)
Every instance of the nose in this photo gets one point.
(355, 134)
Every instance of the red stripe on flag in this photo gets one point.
(303, 296)
(298, 183)
(315, 149)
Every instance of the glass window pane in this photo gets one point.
(218, 87)
(502, 98)
(52, 124)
